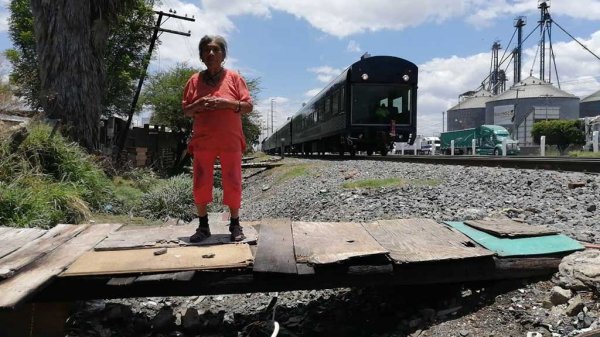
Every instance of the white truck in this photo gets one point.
(422, 145)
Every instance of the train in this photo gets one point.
(368, 107)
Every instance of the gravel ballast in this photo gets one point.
(313, 190)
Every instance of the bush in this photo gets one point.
(561, 133)
(48, 180)
(170, 198)
(34, 202)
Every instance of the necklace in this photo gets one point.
(212, 80)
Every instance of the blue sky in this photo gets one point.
(296, 46)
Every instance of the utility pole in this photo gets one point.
(443, 120)
(123, 135)
(272, 102)
(514, 117)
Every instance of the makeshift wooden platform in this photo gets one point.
(72, 262)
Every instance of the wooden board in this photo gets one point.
(509, 228)
(37, 274)
(175, 259)
(12, 239)
(421, 240)
(37, 248)
(172, 236)
(330, 242)
(275, 250)
(539, 245)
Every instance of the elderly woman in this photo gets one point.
(215, 98)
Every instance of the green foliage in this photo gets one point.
(561, 133)
(170, 198)
(584, 154)
(44, 181)
(163, 92)
(289, 172)
(39, 202)
(126, 50)
(389, 182)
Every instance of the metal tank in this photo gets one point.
(533, 100)
(468, 113)
(590, 105)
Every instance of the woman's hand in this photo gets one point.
(208, 103)
(215, 103)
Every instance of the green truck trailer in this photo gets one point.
(488, 140)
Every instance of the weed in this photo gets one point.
(389, 182)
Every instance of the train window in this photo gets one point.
(380, 104)
(327, 109)
(342, 100)
(335, 103)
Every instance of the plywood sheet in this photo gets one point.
(330, 242)
(505, 247)
(421, 240)
(510, 228)
(17, 288)
(172, 236)
(175, 259)
(37, 248)
(12, 239)
(275, 251)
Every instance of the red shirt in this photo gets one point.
(219, 130)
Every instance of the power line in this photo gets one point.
(157, 29)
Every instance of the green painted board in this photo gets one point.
(539, 245)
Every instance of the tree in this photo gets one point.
(8, 101)
(85, 48)
(163, 93)
(561, 133)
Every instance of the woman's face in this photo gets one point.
(212, 55)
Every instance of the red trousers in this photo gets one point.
(231, 169)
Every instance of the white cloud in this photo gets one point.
(441, 80)
(346, 17)
(325, 74)
(353, 47)
(312, 92)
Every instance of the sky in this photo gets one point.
(295, 47)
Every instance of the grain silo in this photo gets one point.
(468, 113)
(590, 105)
(533, 100)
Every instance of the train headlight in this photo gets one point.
(406, 78)
(365, 76)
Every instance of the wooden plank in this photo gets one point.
(35, 249)
(540, 245)
(136, 237)
(38, 273)
(330, 242)
(420, 240)
(510, 228)
(12, 239)
(275, 250)
(175, 259)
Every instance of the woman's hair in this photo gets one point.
(218, 39)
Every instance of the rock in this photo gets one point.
(191, 321)
(559, 295)
(116, 313)
(575, 306)
(164, 319)
(580, 270)
(591, 208)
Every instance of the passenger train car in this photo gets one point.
(368, 107)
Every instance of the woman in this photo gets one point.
(215, 98)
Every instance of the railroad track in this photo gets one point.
(591, 165)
